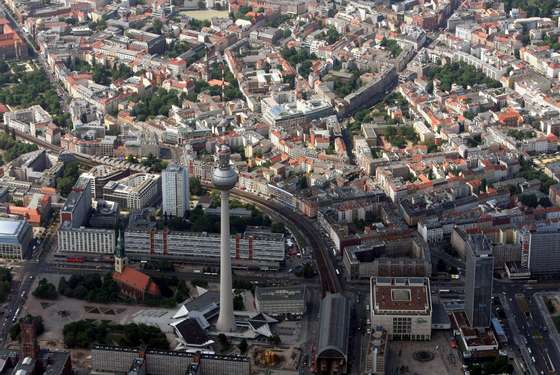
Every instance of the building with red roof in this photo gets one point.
(136, 284)
(11, 44)
(132, 283)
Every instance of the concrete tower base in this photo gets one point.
(226, 321)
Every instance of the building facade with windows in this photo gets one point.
(402, 306)
(540, 250)
(478, 281)
(134, 192)
(85, 240)
(15, 238)
(265, 251)
(78, 204)
(175, 190)
(281, 300)
(113, 359)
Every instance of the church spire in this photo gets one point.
(120, 255)
(119, 250)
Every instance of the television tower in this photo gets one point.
(224, 179)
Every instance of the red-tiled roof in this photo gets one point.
(137, 280)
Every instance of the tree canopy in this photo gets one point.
(534, 8)
(45, 290)
(461, 74)
(392, 46)
(20, 88)
(90, 287)
(14, 148)
(71, 173)
(331, 36)
(156, 104)
(84, 333)
(5, 284)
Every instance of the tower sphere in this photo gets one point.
(224, 176)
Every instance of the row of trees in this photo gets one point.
(69, 177)
(157, 104)
(45, 290)
(459, 73)
(102, 74)
(202, 222)
(155, 164)
(14, 148)
(20, 88)
(85, 333)
(90, 287)
(392, 46)
(399, 136)
(5, 284)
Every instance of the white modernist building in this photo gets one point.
(175, 190)
(134, 192)
(85, 240)
(402, 306)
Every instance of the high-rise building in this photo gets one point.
(78, 204)
(540, 250)
(175, 190)
(224, 179)
(478, 281)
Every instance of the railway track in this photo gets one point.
(327, 274)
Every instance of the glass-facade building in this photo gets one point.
(15, 238)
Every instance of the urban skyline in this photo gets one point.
(280, 186)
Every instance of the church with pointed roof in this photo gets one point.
(132, 283)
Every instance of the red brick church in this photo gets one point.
(132, 283)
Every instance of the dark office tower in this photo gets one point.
(540, 250)
(478, 283)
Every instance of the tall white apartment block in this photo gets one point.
(175, 190)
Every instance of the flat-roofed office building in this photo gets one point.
(15, 238)
(281, 300)
(402, 306)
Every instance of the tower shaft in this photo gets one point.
(226, 321)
